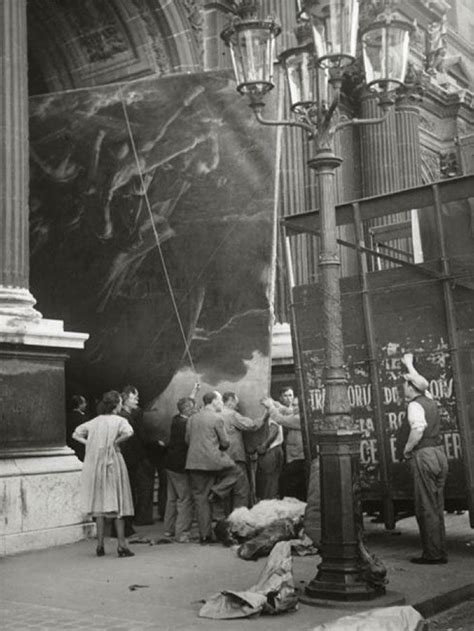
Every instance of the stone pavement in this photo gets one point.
(68, 587)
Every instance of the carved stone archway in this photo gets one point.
(75, 45)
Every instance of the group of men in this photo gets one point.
(210, 469)
(207, 469)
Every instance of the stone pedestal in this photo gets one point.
(39, 475)
(40, 502)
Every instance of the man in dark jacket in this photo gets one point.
(140, 470)
(179, 503)
(75, 417)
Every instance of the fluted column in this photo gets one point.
(407, 120)
(379, 155)
(216, 16)
(15, 299)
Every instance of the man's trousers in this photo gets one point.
(268, 473)
(179, 505)
(221, 483)
(430, 469)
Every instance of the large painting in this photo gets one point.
(152, 229)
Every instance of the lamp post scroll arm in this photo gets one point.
(281, 123)
(361, 121)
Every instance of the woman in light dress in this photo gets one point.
(105, 486)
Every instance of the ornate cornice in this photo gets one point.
(438, 7)
(193, 10)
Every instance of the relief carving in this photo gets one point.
(448, 164)
(98, 29)
(437, 6)
(430, 165)
(426, 123)
(371, 10)
(436, 46)
(414, 87)
(155, 39)
(194, 15)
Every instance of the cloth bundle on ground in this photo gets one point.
(403, 618)
(274, 592)
(245, 523)
(268, 522)
(262, 544)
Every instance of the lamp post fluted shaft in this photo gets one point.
(347, 571)
(339, 575)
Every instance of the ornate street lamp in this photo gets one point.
(347, 571)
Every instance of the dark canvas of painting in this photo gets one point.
(152, 229)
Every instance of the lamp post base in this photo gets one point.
(347, 572)
(347, 591)
(389, 599)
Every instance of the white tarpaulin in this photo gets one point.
(404, 618)
(273, 593)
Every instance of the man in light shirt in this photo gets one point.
(287, 415)
(428, 463)
(235, 424)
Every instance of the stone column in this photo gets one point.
(39, 475)
(15, 298)
(216, 16)
(407, 121)
(379, 155)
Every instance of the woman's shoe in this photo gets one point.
(125, 552)
(100, 551)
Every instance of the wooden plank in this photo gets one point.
(382, 205)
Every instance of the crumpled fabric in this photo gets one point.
(303, 546)
(402, 618)
(245, 522)
(262, 544)
(274, 592)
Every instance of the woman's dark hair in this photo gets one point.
(77, 400)
(109, 402)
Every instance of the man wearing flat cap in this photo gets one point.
(428, 462)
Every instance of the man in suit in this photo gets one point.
(213, 474)
(235, 424)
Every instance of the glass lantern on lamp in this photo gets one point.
(252, 48)
(385, 49)
(335, 25)
(307, 83)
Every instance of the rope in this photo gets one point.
(155, 232)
